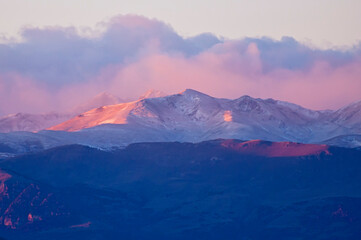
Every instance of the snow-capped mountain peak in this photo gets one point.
(36, 122)
(194, 116)
(153, 93)
(193, 93)
(101, 99)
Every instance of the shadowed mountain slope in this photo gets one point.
(221, 189)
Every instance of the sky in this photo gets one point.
(56, 54)
(324, 23)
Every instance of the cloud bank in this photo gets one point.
(55, 68)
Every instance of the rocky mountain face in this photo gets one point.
(25, 203)
(220, 189)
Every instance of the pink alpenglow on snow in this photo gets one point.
(227, 116)
(275, 149)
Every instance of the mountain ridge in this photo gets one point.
(32, 122)
(192, 116)
(252, 118)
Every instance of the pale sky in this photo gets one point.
(321, 23)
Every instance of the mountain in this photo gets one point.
(152, 93)
(350, 141)
(220, 189)
(31, 122)
(25, 203)
(36, 122)
(349, 115)
(194, 116)
(25, 142)
(102, 99)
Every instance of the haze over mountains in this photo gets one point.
(36, 122)
(189, 116)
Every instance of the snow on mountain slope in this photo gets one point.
(194, 116)
(31, 122)
(36, 122)
(349, 141)
(114, 114)
(152, 93)
(349, 115)
(102, 99)
(22, 142)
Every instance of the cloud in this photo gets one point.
(55, 68)
(23, 94)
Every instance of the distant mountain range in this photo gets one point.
(189, 116)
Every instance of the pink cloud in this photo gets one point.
(231, 75)
(23, 94)
(55, 68)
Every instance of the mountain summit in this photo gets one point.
(152, 93)
(195, 116)
(102, 99)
